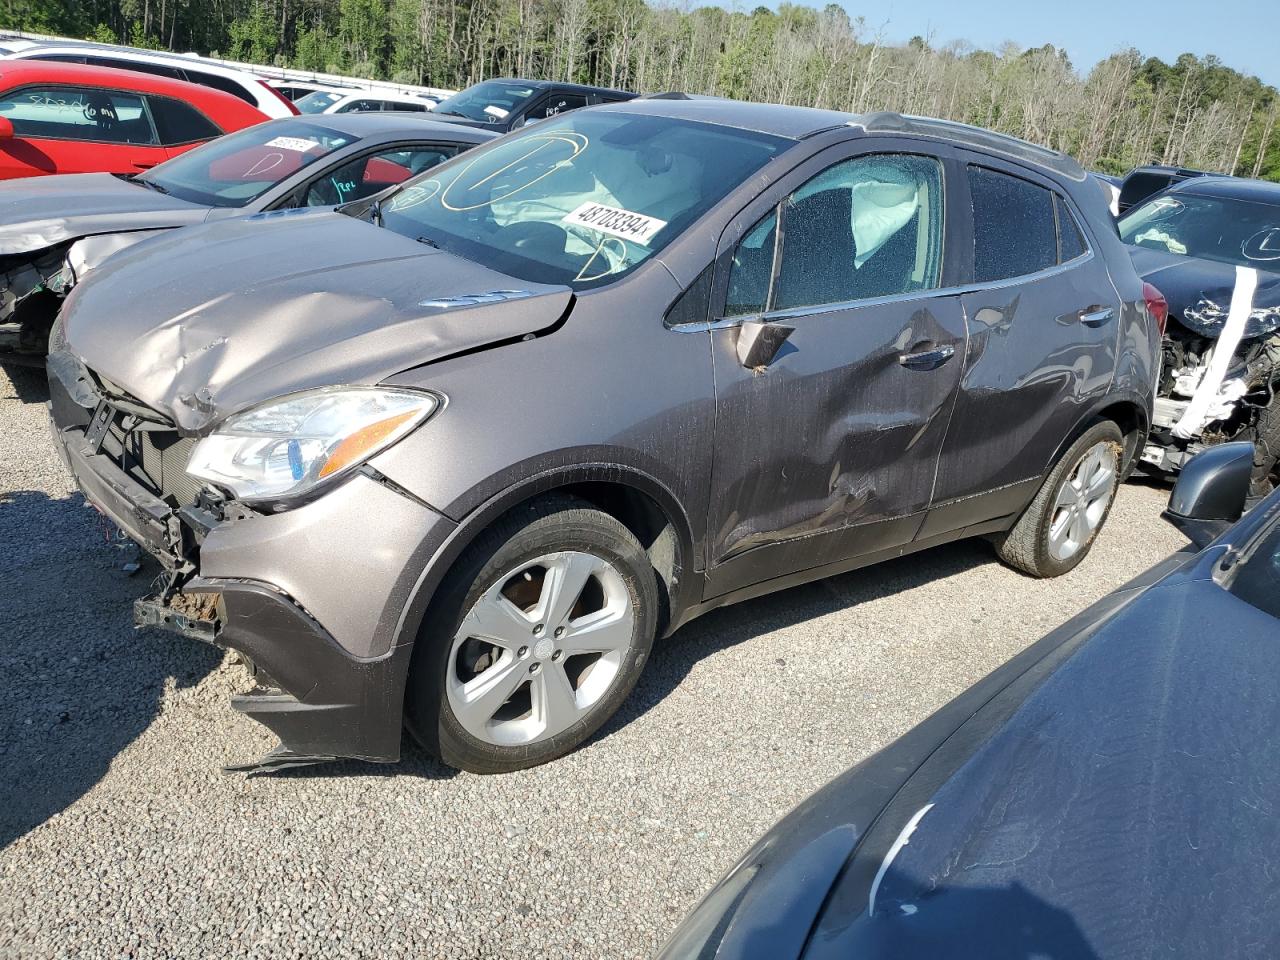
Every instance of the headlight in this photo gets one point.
(287, 448)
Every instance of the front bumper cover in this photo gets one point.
(319, 696)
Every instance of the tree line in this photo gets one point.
(1124, 111)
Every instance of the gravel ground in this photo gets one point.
(119, 835)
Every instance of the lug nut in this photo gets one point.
(556, 655)
(559, 631)
(537, 630)
(535, 667)
(524, 652)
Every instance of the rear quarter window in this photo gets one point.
(1014, 228)
(178, 123)
(1071, 242)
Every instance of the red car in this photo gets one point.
(69, 118)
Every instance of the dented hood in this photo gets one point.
(1199, 291)
(38, 212)
(206, 322)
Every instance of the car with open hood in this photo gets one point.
(54, 230)
(460, 453)
(1109, 792)
(1212, 247)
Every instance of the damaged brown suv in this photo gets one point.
(461, 453)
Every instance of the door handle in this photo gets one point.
(927, 359)
(1096, 317)
(142, 166)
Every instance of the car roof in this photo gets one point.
(13, 72)
(138, 53)
(797, 123)
(394, 123)
(1231, 188)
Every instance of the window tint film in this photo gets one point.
(752, 269)
(178, 122)
(868, 227)
(1014, 233)
(580, 198)
(76, 113)
(1071, 243)
(233, 170)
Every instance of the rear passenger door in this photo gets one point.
(1042, 319)
(826, 449)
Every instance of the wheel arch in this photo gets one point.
(1127, 413)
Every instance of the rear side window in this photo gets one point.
(1071, 242)
(78, 113)
(362, 106)
(1014, 229)
(555, 104)
(178, 122)
(217, 82)
(1138, 186)
(138, 66)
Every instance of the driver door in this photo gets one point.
(826, 448)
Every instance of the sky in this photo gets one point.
(1244, 34)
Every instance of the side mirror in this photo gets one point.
(759, 342)
(6, 128)
(1211, 491)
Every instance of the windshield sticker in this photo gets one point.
(300, 144)
(616, 222)
(498, 112)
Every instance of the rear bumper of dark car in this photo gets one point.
(326, 689)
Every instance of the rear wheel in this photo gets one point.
(1057, 530)
(537, 637)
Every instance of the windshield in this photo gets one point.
(236, 169)
(579, 199)
(317, 102)
(491, 101)
(1238, 232)
(1257, 580)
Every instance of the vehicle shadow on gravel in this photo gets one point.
(77, 684)
(674, 658)
(30, 384)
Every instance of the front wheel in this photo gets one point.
(1057, 530)
(537, 637)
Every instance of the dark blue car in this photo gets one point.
(1113, 791)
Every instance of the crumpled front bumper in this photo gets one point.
(312, 598)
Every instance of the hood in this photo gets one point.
(468, 122)
(206, 322)
(37, 212)
(1199, 291)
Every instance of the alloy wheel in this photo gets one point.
(540, 648)
(1082, 501)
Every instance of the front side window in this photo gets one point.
(1238, 232)
(555, 105)
(365, 176)
(1257, 579)
(1014, 230)
(492, 101)
(76, 113)
(362, 106)
(236, 169)
(580, 199)
(864, 228)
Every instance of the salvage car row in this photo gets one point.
(551, 395)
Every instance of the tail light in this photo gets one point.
(280, 96)
(1157, 305)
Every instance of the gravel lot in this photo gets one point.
(119, 835)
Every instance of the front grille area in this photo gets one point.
(155, 458)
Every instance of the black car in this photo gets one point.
(1112, 791)
(504, 104)
(1206, 243)
(1142, 182)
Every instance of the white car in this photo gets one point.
(246, 86)
(295, 90)
(362, 101)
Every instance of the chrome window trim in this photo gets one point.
(794, 313)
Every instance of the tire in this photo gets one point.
(1049, 539)
(508, 582)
